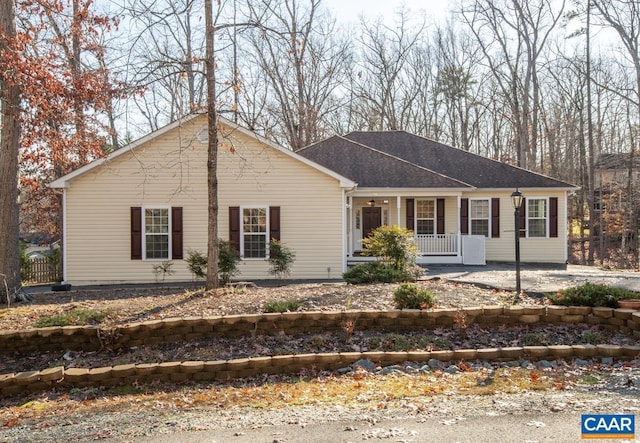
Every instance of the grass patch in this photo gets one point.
(281, 306)
(592, 295)
(411, 296)
(76, 317)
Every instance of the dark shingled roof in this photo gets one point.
(447, 166)
(374, 169)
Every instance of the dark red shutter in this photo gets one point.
(440, 216)
(410, 215)
(274, 222)
(553, 217)
(136, 233)
(176, 233)
(464, 216)
(234, 227)
(495, 218)
(523, 218)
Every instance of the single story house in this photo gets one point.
(147, 203)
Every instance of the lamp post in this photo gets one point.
(516, 200)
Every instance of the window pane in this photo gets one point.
(425, 209)
(479, 209)
(479, 216)
(424, 227)
(156, 220)
(255, 246)
(537, 208)
(480, 227)
(156, 228)
(537, 215)
(157, 246)
(537, 228)
(254, 220)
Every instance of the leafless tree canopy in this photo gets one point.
(547, 85)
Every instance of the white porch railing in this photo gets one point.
(437, 244)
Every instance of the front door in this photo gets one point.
(371, 219)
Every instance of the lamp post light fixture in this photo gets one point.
(516, 201)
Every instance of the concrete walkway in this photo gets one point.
(556, 428)
(535, 278)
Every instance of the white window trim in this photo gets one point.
(488, 200)
(435, 215)
(546, 216)
(144, 233)
(266, 234)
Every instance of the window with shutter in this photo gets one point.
(251, 228)
(537, 217)
(156, 233)
(479, 216)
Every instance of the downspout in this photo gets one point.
(64, 236)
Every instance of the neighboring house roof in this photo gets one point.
(371, 168)
(64, 181)
(452, 163)
(616, 161)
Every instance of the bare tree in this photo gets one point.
(167, 47)
(9, 147)
(304, 63)
(382, 93)
(457, 83)
(513, 35)
(624, 17)
(212, 149)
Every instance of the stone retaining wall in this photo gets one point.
(183, 329)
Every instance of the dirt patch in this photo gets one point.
(125, 306)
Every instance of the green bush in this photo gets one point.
(54, 263)
(25, 262)
(281, 306)
(197, 264)
(76, 317)
(591, 295)
(392, 245)
(281, 259)
(228, 259)
(410, 296)
(162, 269)
(377, 272)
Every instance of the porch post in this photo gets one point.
(350, 236)
(459, 239)
(398, 201)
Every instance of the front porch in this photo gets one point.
(435, 220)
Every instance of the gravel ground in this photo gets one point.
(128, 305)
(128, 413)
(613, 389)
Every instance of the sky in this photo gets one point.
(350, 10)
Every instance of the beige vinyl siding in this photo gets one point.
(540, 250)
(171, 171)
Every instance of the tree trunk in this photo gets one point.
(212, 152)
(592, 170)
(9, 148)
